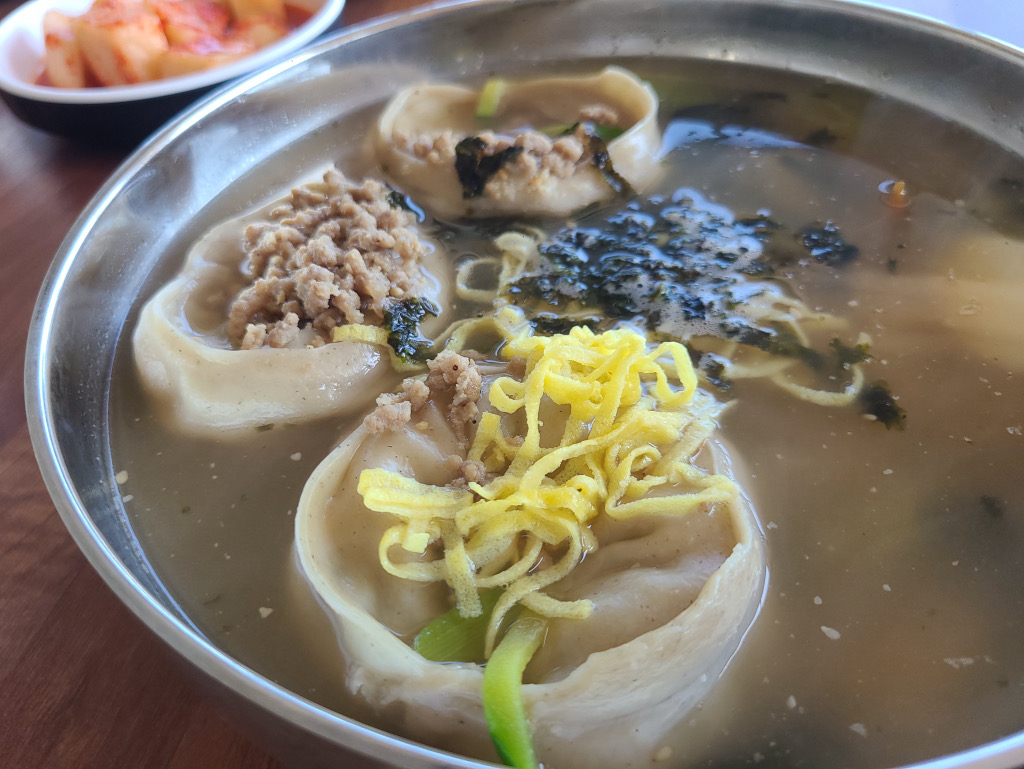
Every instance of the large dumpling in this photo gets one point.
(583, 446)
(981, 295)
(546, 146)
(284, 315)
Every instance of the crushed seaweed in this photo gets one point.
(676, 264)
(679, 266)
(826, 244)
(849, 355)
(475, 167)
(402, 320)
(549, 324)
(595, 144)
(399, 200)
(713, 369)
(877, 400)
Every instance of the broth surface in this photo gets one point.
(892, 627)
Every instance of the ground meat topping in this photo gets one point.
(600, 114)
(388, 417)
(451, 371)
(337, 252)
(467, 471)
(396, 409)
(558, 157)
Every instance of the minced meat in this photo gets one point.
(448, 372)
(467, 471)
(600, 114)
(335, 253)
(396, 409)
(559, 156)
(451, 371)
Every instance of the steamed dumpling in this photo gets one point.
(670, 596)
(245, 334)
(538, 153)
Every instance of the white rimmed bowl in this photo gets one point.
(121, 115)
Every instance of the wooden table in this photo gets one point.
(82, 682)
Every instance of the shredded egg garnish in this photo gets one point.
(375, 335)
(621, 423)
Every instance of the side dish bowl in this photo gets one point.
(121, 115)
(253, 137)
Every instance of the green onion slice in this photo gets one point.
(454, 638)
(490, 97)
(502, 692)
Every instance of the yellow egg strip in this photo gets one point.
(630, 424)
(375, 335)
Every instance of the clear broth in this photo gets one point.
(892, 626)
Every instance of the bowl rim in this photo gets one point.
(26, 21)
(185, 640)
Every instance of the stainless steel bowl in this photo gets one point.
(193, 174)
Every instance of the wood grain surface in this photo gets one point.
(82, 682)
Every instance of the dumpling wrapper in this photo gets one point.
(430, 110)
(981, 295)
(206, 387)
(673, 599)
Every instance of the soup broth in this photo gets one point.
(892, 624)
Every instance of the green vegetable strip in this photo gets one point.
(558, 129)
(608, 132)
(454, 638)
(490, 97)
(503, 681)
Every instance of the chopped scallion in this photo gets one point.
(454, 638)
(557, 129)
(607, 132)
(490, 97)
(502, 691)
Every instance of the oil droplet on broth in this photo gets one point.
(894, 193)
